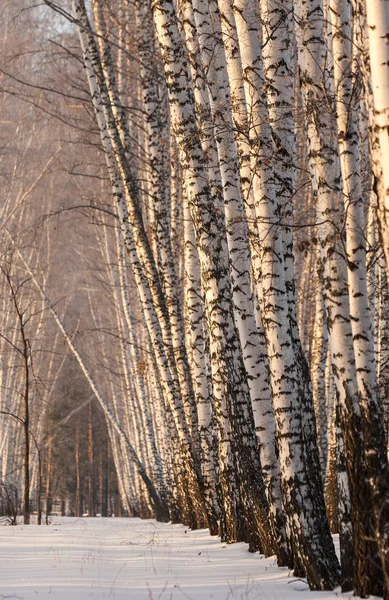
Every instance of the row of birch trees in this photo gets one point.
(49, 460)
(237, 287)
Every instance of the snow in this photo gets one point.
(79, 559)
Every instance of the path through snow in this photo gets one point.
(117, 559)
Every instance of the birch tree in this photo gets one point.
(377, 13)
(230, 392)
(126, 196)
(345, 343)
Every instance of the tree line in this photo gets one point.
(234, 296)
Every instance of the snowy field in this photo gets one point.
(79, 559)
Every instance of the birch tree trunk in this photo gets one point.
(194, 309)
(217, 71)
(318, 369)
(126, 195)
(158, 145)
(377, 12)
(241, 483)
(273, 295)
(325, 169)
(231, 95)
(347, 104)
(138, 376)
(375, 459)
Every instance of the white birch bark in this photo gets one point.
(348, 139)
(229, 39)
(324, 164)
(194, 318)
(157, 143)
(377, 12)
(325, 169)
(126, 195)
(219, 74)
(243, 40)
(137, 370)
(318, 371)
(273, 295)
(230, 391)
(202, 103)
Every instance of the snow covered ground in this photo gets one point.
(79, 559)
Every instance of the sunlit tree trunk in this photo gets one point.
(273, 295)
(368, 578)
(157, 138)
(194, 318)
(126, 195)
(326, 168)
(230, 391)
(318, 369)
(347, 105)
(377, 12)
(232, 166)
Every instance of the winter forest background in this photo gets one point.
(194, 240)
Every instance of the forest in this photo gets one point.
(194, 272)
